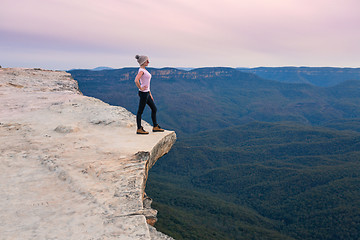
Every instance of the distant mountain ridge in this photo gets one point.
(102, 68)
(222, 97)
(318, 76)
(93, 69)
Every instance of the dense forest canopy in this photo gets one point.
(256, 158)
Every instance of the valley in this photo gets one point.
(255, 158)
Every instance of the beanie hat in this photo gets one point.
(141, 59)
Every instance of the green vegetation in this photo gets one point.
(188, 214)
(255, 159)
(298, 181)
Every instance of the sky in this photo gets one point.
(67, 34)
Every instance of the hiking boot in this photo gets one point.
(141, 131)
(157, 128)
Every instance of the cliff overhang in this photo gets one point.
(72, 166)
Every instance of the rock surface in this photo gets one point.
(71, 166)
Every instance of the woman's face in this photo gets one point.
(146, 63)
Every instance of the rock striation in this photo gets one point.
(72, 166)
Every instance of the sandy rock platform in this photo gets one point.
(71, 166)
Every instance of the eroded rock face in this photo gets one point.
(72, 166)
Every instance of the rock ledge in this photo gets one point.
(72, 166)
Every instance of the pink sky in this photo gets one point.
(65, 34)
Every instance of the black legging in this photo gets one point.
(145, 99)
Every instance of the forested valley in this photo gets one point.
(255, 158)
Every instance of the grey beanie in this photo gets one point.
(141, 59)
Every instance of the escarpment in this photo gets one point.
(72, 166)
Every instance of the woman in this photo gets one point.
(142, 81)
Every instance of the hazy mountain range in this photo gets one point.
(318, 76)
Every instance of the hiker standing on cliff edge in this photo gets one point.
(142, 81)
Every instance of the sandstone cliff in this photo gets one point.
(71, 166)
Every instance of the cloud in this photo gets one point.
(188, 32)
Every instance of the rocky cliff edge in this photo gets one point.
(71, 166)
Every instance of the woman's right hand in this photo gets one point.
(143, 88)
